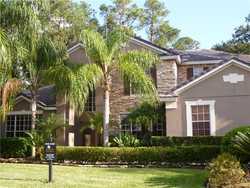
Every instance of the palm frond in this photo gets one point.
(242, 142)
(116, 40)
(94, 122)
(143, 58)
(85, 79)
(47, 54)
(139, 80)
(5, 57)
(95, 47)
(21, 13)
(11, 87)
(75, 81)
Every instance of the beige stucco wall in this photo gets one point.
(78, 56)
(232, 102)
(174, 121)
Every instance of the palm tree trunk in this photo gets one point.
(106, 118)
(33, 119)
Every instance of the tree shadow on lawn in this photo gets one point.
(178, 178)
(24, 179)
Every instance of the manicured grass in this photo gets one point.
(35, 176)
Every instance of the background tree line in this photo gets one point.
(240, 42)
(70, 17)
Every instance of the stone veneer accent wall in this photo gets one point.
(166, 76)
(120, 103)
(182, 71)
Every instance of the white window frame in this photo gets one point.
(130, 131)
(15, 114)
(211, 104)
(71, 114)
(197, 70)
(71, 139)
(90, 105)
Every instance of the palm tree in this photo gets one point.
(33, 51)
(8, 85)
(4, 51)
(46, 128)
(43, 55)
(106, 56)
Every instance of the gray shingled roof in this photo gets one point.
(46, 95)
(167, 51)
(208, 55)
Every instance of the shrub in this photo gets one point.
(14, 147)
(126, 140)
(241, 143)
(225, 170)
(141, 155)
(45, 128)
(227, 144)
(185, 141)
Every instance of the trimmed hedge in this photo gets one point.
(14, 147)
(185, 141)
(141, 155)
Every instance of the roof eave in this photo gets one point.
(177, 58)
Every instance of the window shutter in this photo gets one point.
(189, 73)
(126, 87)
(153, 75)
(205, 68)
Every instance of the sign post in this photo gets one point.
(50, 155)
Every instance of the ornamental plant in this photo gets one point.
(225, 171)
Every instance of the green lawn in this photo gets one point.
(35, 176)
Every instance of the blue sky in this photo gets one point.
(208, 21)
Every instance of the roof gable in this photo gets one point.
(46, 97)
(179, 89)
(137, 40)
(75, 47)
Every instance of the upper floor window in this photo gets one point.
(90, 105)
(128, 87)
(153, 74)
(195, 71)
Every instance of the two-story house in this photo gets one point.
(204, 92)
